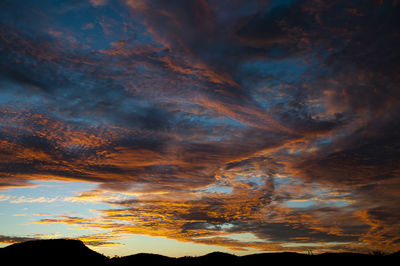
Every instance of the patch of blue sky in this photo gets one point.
(317, 202)
(255, 180)
(279, 180)
(337, 203)
(50, 197)
(322, 191)
(49, 188)
(324, 140)
(31, 209)
(218, 189)
(300, 203)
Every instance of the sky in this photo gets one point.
(184, 127)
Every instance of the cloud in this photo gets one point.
(23, 199)
(97, 3)
(88, 26)
(4, 197)
(42, 214)
(11, 240)
(99, 240)
(94, 196)
(199, 119)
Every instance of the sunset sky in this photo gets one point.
(183, 127)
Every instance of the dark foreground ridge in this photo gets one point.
(74, 253)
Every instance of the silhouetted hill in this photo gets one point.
(214, 258)
(50, 252)
(74, 253)
(218, 255)
(143, 259)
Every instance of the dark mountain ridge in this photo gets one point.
(51, 252)
(74, 252)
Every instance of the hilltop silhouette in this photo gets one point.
(51, 252)
(75, 253)
(143, 259)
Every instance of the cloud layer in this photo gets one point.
(274, 118)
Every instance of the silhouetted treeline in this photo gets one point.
(75, 253)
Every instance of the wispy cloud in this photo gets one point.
(23, 199)
(97, 3)
(11, 240)
(4, 197)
